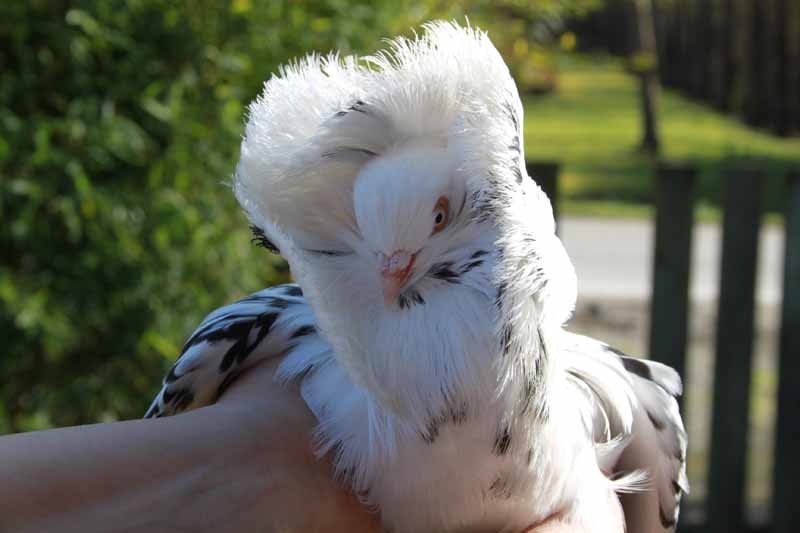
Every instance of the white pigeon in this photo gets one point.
(426, 326)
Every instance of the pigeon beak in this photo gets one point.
(395, 271)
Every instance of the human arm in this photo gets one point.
(243, 464)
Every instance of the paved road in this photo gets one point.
(613, 259)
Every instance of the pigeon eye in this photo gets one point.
(441, 214)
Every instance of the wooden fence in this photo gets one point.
(725, 504)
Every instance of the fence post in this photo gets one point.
(545, 174)
(733, 360)
(669, 305)
(785, 514)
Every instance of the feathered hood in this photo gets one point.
(321, 118)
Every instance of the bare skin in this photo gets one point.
(244, 464)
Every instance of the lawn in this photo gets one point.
(591, 124)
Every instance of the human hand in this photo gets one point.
(296, 490)
(300, 493)
(243, 464)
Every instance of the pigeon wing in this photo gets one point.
(634, 417)
(230, 340)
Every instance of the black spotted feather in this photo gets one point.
(657, 441)
(230, 340)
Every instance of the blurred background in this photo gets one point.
(120, 124)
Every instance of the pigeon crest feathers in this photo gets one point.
(323, 118)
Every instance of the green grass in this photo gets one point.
(591, 124)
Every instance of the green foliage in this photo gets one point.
(120, 125)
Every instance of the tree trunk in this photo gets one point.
(756, 114)
(719, 78)
(727, 59)
(777, 62)
(699, 28)
(686, 23)
(742, 20)
(648, 75)
(791, 68)
(666, 39)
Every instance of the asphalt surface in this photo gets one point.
(613, 259)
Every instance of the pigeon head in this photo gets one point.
(395, 187)
(409, 208)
